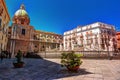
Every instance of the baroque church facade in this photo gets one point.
(22, 36)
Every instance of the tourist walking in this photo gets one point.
(9, 54)
(2, 56)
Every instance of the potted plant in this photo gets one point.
(71, 61)
(19, 63)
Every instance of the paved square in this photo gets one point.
(50, 69)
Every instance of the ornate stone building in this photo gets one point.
(20, 33)
(118, 40)
(4, 21)
(94, 37)
(23, 36)
(47, 41)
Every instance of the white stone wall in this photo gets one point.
(97, 29)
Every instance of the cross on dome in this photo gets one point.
(22, 6)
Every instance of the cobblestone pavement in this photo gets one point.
(50, 69)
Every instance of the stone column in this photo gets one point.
(39, 47)
(11, 44)
(61, 47)
(56, 46)
(49, 47)
(13, 49)
(31, 49)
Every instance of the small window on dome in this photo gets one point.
(22, 21)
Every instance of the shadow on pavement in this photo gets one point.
(36, 69)
(65, 73)
(32, 55)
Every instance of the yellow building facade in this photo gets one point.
(4, 21)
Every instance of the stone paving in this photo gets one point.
(50, 69)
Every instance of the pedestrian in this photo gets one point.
(6, 53)
(2, 56)
(9, 54)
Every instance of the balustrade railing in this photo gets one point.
(86, 54)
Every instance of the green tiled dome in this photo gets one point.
(21, 12)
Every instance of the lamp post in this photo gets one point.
(45, 49)
(108, 48)
(45, 45)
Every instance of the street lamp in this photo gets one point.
(44, 49)
(108, 48)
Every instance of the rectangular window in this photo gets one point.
(0, 37)
(23, 31)
(1, 46)
(1, 11)
(0, 22)
(5, 17)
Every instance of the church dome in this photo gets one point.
(21, 12)
(21, 16)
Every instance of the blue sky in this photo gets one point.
(62, 15)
